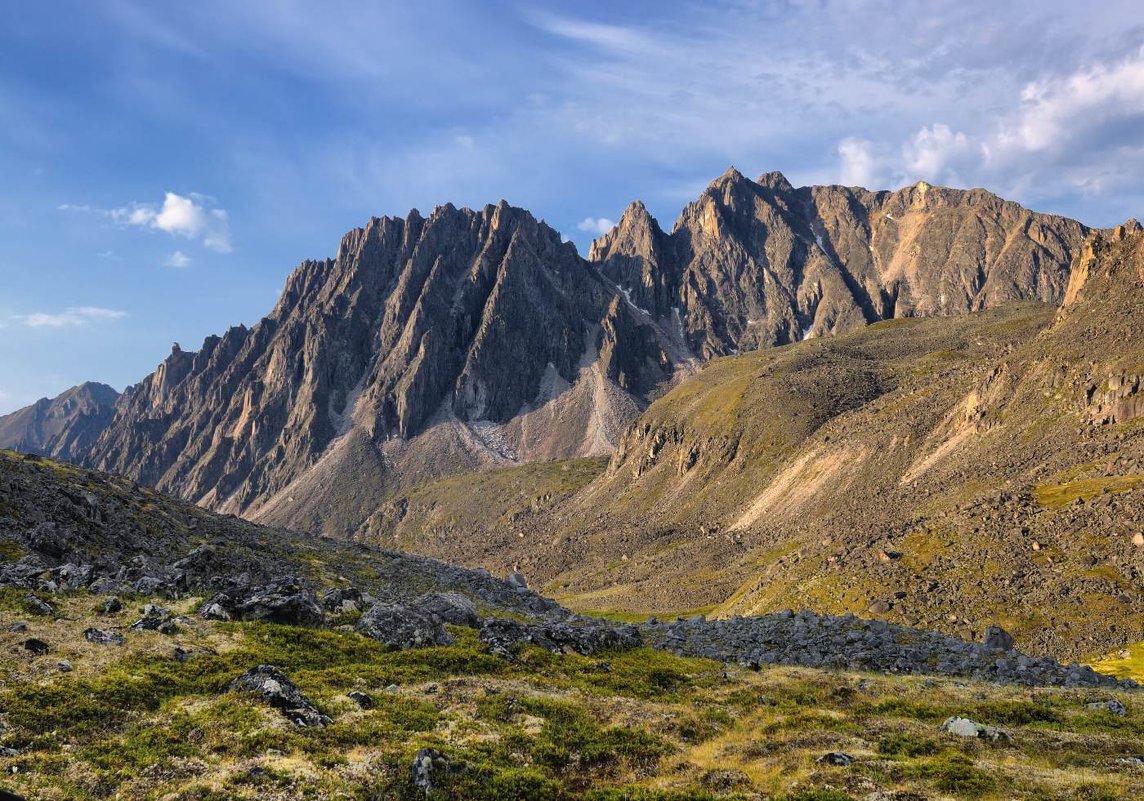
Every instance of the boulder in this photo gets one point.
(111, 606)
(1112, 706)
(272, 685)
(836, 758)
(963, 727)
(101, 637)
(997, 639)
(213, 611)
(452, 608)
(400, 627)
(279, 602)
(504, 637)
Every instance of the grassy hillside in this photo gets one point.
(133, 722)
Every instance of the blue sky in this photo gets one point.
(163, 166)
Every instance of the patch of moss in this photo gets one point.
(955, 774)
(1057, 496)
(906, 745)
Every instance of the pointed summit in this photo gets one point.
(775, 180)
(732, 177)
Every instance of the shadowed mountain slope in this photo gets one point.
(63, 426)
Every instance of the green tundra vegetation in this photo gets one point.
(134, 722)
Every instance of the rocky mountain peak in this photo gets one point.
(60, 426)
(775, 180)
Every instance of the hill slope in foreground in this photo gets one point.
(241, 662)
(943, 473)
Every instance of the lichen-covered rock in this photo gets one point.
(102, 637)
(286, 602)
(582, 636)
(963, 727)
(272, 685)
(451, 607)
(846, 641)
(400, 627)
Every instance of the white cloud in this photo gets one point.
(1055, 111)
(596, 225)
(859, 166)
(191, 217)
(935, 153)
(177, 259)
(70, 317)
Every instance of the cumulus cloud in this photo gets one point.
(936, 152)
(177, 259)
(70, 317)
(1071, 134)
(596, 225)
(1055, 111)
(859, 166)
(192, 217)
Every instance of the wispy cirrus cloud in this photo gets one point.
(71, 317)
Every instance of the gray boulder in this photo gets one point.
(284, 602)
(505, 637)
(102, 637)
(452, 608)
(272, 685)
(964, 727)
(997, 639)
(400, 627)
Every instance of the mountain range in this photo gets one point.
(746, 413)
(468, 339)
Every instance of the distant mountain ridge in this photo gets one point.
(64, 426)
(467, 339)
